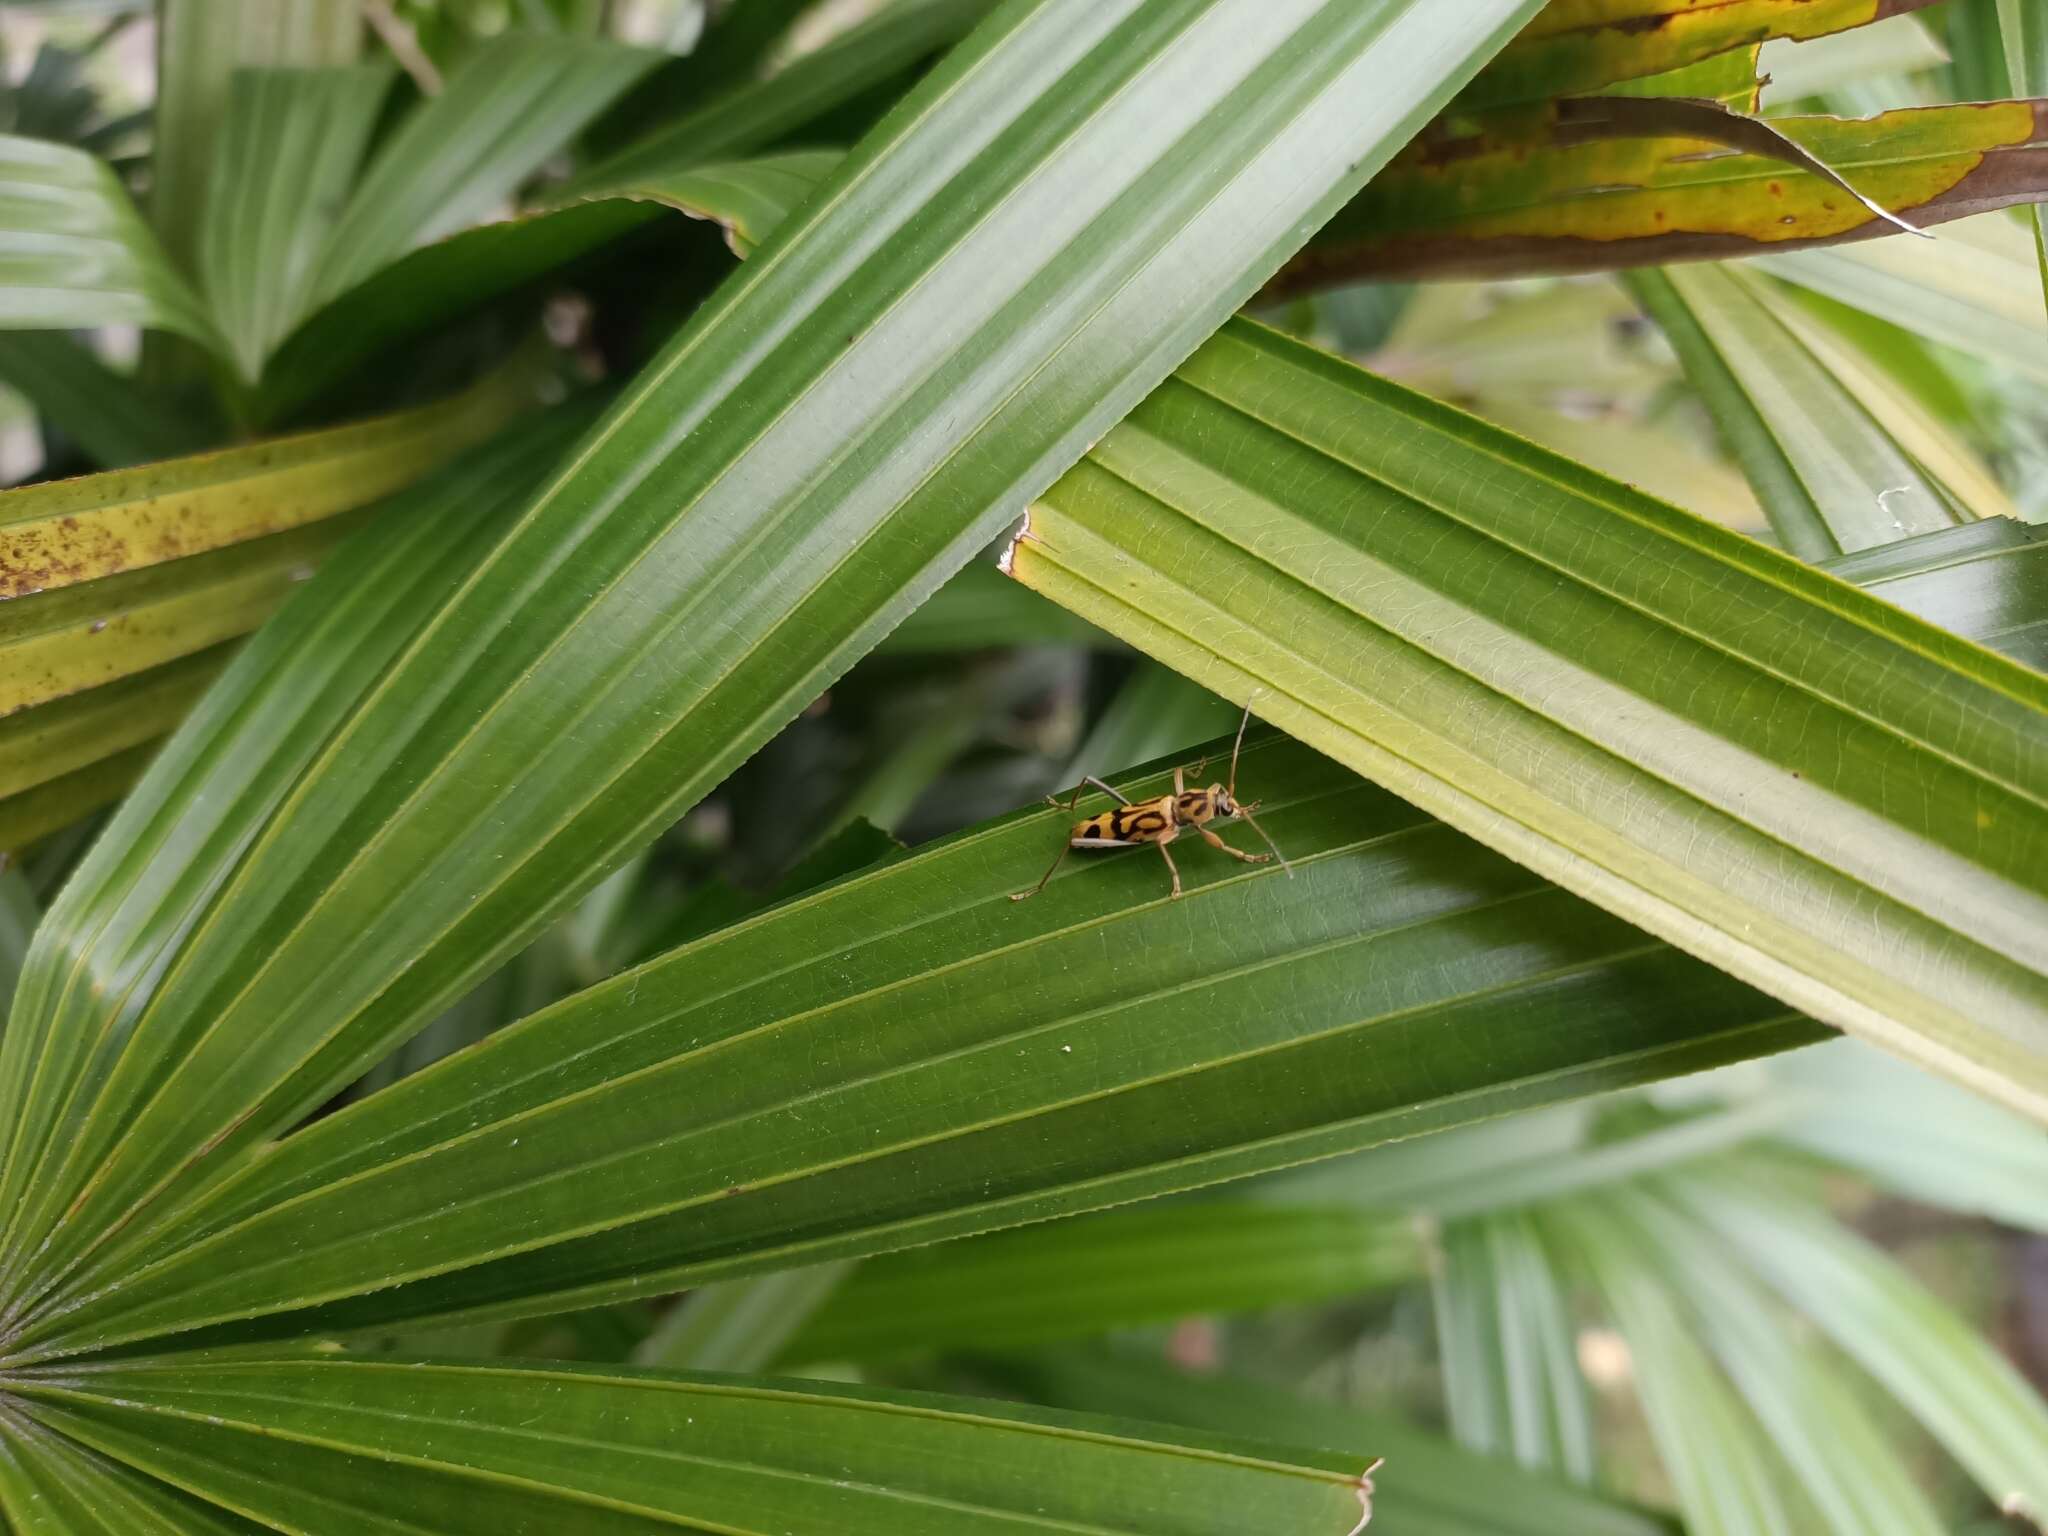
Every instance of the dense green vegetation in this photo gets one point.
(560, 550)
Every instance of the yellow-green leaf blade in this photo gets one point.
(1458, 613)
(1575, 46)
(64, 532)
(1526, 196)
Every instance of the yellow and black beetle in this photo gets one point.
(1160, 821)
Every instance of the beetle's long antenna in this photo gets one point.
(1238, 746)
(1247, 816)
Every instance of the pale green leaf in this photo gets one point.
(74, 252)
(1944, 1372)
(200, 44)
(1511, 1377)
(740, 1325)
(512, 102)
(2023, 29)
(1728, 1479)
(1972, 289)
(1842, 1462)
(1832, 477)
(289, 148)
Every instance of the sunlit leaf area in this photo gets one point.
(1023, 767)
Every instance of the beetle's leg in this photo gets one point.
(1073, 801)
(1163, 839)
(1246, 813)
(1065, 848)
(1236, 853)
(1179, 788)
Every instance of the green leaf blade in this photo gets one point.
(174, 844)
(1092, 1274)
(1428, 1484)
(1966, 1394)
(590, 1450)
(806, 1085)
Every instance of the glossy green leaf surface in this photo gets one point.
(1087, 1276)
(1830, 475)
(1691, 729)
(1986, 581)
(1429, 1487)
(175, 844)
(51, 1485)
(74, 252)
(1048, 223)
(908, 1054)
(337, 1445)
